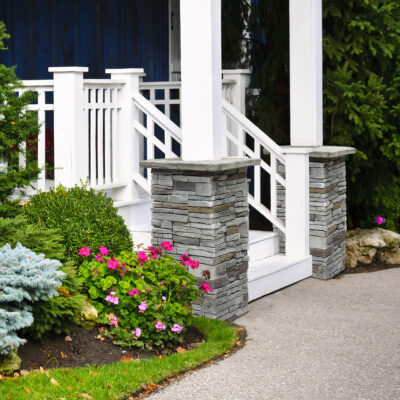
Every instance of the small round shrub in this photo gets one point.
(84, 218)
(144, 299)
(58, 314)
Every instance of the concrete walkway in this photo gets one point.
(322, 340)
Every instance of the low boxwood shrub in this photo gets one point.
(55, 315)
(25, 277)
(84, 218)
(144, 298)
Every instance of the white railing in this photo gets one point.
(244, 139)
(158, 134)
(101, 108)
(43, 105)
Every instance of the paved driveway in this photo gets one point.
(322, 340)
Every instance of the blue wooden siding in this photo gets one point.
(95, 33)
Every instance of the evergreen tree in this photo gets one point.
(16, 126)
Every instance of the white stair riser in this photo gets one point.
(136, 214)
(141, 237)
(264, 248)
(262, 285)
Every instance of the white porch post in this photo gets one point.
(71, 143)
(202, 137)
(306, 73)
(297, 220)
(128, 141)
(242, 81)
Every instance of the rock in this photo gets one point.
(368, 245)
(88, 317)
(10, 364)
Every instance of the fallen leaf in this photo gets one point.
(8, 395)
(16, 375)
(126, 358)
(85, 396)
(94, 373)
(160, 357)
(27, 390)
(108, 385)
(180, 350)
(68, 339)
(124, 372)
(54, 382)
(69, 388)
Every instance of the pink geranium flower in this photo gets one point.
(104, 251)
(112, 299)
(188, 262)
(380, 220)
(98, 257)
(142, 306)
(163, 298)
(176, 328)
(142, 256)
(167, 246)
(137, 333)
(159, 326)
(206, 287)
(114, 320)
(84, 251)
(113, 264)
(134, 292)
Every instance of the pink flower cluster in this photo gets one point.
(111, 298)
(84, 251)
(188, 262)
(134, 292)
(167, 246)
(114, 321)
(113, 263)
(177, 328)
(206, 287)
(380, 220)
(159, 326)
(142, 306)
(137, 333)
(142, 256)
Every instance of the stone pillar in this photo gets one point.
(327, 209)
(201, 207)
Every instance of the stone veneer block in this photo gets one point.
(327, 209)
(201, 207)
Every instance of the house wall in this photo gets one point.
(95, 33)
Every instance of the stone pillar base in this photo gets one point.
(201, 207)
(327, 210)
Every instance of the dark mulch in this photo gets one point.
(85, 349)
(361, 268)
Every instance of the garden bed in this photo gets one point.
(362, 268)
(125, 379)
(83, 347)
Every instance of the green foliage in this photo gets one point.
(16, 125)
(84, 218)
(361, 102)
(58, 314)
(25, 278)
(361, 41)
(153, 279)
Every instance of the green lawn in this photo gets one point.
(117, 381)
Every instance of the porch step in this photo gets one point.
(262, 244)
(276, 272)
(135, 212)
(141, 234)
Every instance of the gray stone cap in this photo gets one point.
(223, 164)
(331, 151)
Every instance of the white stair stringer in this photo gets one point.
(276, 272)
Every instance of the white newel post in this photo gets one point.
(241, 77)
(202, 137)
(128, 142)
(71, 142)
(306, 73)
(297, 202)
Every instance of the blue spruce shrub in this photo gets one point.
(25, 277)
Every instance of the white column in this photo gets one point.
(202, 137)
(306, 73)
(297, 206)
(128, 142)
(242, 81)
(71, 143)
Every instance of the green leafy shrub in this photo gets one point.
(55, 315)
(143, 298)
(25, 277)
(84, 218)
(16, 127)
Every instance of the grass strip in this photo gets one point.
(116, 381)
